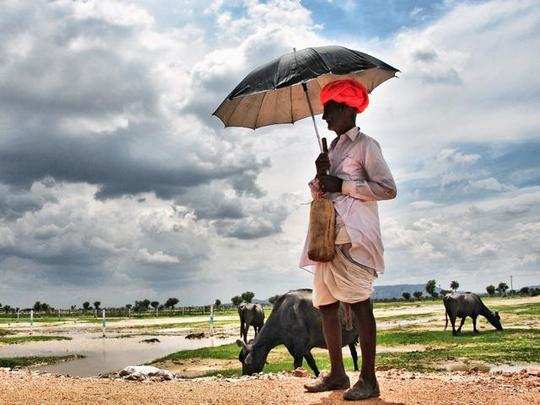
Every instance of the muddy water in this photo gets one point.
(104, 355)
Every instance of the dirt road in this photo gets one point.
(24, 387)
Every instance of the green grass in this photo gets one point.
(406, 317)
(512, 345)
(229, 351)
(17, 362)
(11, 340)
(523, 309)
(404, 304)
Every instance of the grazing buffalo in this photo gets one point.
(295, 323)
(250, 315)
(462, 305)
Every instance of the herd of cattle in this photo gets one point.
(295, 323)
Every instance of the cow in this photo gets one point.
(295, 323)
(462, 305)
(250, 315)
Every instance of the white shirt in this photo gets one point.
(357, 159)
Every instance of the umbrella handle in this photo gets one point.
(304, 86)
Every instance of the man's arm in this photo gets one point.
(379, 184)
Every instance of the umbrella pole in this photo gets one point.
(304, 86)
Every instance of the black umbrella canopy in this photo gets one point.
(272, 93)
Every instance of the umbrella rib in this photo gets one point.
(260, 107)
(290, 101)
(234, 109)
(322, 59)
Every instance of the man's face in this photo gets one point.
(336, 116)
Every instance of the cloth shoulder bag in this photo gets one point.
(321, 233)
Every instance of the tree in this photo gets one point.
(272, 300)
(236, 300)
(171, 302)
(454, 285)
(37, 306)
(490, 290)
(502, 287)
(142, 305)
(430, 288)
(247, 296)
(524, 291)
(217, 303)
(406, 296)
(154, 304)
(86, 306)
(97, 305)
(417, 294)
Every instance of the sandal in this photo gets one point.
(325, 384)
(360, 390)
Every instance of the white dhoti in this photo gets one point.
(342, 279)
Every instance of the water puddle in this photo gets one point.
(104, 355)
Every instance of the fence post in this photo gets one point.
(31, 321)
(103, 322)
(211, 320)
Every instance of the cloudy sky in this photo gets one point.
(117, 184)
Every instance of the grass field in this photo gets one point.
(11, 340)
(422, 346)
(18, 362)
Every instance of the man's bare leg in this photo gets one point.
(367, 385)
(337, 379)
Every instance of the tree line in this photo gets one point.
(501, 289)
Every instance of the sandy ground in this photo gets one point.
(24, 387)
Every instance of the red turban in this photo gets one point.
(349, 92)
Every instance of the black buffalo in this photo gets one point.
(295, 323)
(462, 305)
(250, 315)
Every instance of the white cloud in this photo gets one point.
(490, 184)
(467, 77)
(159, 258)
(423, 204)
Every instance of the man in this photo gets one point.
(358, 177)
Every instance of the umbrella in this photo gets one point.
(287, 88)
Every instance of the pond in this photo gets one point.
(104, 355)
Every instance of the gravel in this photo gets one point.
(30, 387)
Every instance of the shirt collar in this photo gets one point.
(352, 133)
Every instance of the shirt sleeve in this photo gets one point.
(379, 184)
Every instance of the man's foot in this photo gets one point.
(362, 390)
(329, 383)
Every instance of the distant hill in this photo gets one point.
(395, 291)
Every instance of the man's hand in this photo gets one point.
(330, 184)
(315, 188)
(322, 163)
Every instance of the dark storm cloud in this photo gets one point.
(263, 221)
(235, 217)
(107, 162)
(77, 103)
